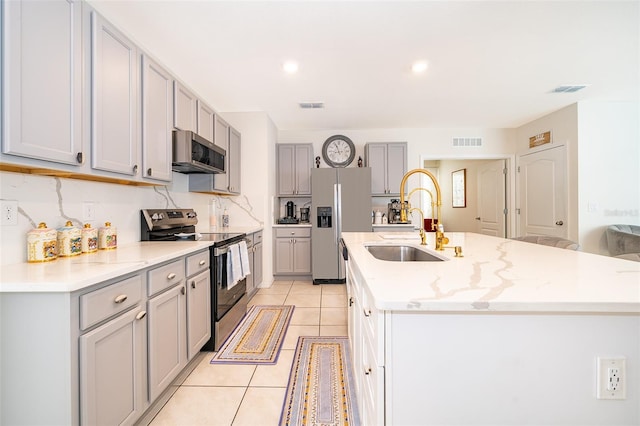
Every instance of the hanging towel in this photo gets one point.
(244, 259)
(234, 266)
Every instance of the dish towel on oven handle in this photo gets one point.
(234, 266)
(244, 258)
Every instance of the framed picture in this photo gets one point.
(458, 179)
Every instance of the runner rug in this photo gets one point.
(258, 338)
(321, 389)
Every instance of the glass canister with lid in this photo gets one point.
(42, 244)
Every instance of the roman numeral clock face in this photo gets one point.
(338, 151)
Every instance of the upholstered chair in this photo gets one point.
(624, 240)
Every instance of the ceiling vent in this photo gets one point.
(457, 142)
(311, 105)
(569, 88)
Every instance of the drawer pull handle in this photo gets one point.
(171, 276)
(193, 284)
(350, 301)
(183, 290)
(202, 263)
(367, 312)
(141, 315)
(121, 298)
(367, 371)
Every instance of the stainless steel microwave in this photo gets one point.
(194, 154)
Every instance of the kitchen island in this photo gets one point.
(510, 333)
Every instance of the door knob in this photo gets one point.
(478, 218)
(559, 223)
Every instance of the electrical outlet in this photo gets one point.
(88, 211)
(611, 378)
(9, 210)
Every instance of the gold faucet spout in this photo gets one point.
(441, 240)
(423, 235)
(433, 204)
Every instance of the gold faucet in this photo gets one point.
(423, 235)
(433, 204)
(441, 240)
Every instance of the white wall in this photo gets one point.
(258, 179)
(608, 170)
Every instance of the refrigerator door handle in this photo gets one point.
(336, 210)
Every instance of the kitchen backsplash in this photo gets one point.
(55, 200)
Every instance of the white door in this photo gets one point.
(492, 213)
(543, 193)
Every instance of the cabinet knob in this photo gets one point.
(478, 218)
(293, 232)
(121, 298)
(350, 301)
(202, 263)
(367, 312)
(193, 284)
(559, 223)
(135, 169)
(141, 315)
(367, 371)
(149, 171)
(171, 276)
(80, 157)
(183, 290)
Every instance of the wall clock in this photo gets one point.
(338, 151)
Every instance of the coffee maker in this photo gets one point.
(393, 214)
(290, 211)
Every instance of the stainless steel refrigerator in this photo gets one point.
(340, 202)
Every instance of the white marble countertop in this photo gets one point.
(495, 275)
(232, 229)
(290, 225)
(69, 274)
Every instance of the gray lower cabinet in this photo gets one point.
(113, 370)
(292, 254)
(42, 80)
(167, 312)
(255, 262)
(198, 302)
(114, 71)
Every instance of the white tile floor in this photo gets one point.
(216, 394)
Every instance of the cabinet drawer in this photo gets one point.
(372, 386)
(108, 301)
(257, 237)
(197, 263)
(165, 276)
(293, 232)
(372, 325)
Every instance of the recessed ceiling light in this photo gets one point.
(419, 67)
(290, 67)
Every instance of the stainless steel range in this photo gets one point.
(228, 305)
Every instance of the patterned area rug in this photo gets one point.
(258, 338)
(321, 390)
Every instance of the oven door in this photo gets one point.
(225, 297)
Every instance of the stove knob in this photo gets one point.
(154, 216)
(160, 216)
(191, 215)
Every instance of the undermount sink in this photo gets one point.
(402, 253)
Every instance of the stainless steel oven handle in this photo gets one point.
(217, 251)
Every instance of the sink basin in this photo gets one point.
(402, 253)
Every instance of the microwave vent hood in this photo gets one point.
(194, 154)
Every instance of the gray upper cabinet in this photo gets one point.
(294, 169)
(234, 156)
(184, 108)
(221, 138)
(157, 120)
(115, 72)
(42, 80)
(388, 162)
(205, 120)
